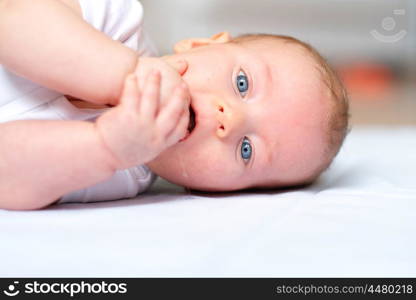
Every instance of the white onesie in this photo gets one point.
(22, 99)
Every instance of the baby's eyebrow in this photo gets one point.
(269, 156)
(264, 150)
(266, 78)
(267, 149)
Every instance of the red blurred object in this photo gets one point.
(367, 80)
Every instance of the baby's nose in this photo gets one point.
(230, 120)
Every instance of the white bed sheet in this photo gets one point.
(359, 219)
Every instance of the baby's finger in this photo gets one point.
(170, 114)
(181, 129)
(130, 95)
(179, 65)
(151, 95)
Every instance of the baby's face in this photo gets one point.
(260, 110)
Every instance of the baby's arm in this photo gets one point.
(40, 161)
(48, 42)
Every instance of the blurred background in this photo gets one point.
(371, 43)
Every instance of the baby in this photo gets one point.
(220, 114)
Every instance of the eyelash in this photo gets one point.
(246, 141)
(241, 74)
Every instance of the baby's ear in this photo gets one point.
(188, 44)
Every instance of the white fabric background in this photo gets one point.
(359, 219)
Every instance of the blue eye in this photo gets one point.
(246, 149)
(242, 83)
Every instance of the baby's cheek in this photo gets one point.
(205, 171)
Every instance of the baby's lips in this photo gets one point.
(185, 137)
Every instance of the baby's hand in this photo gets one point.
(171, 71)
(140, 128)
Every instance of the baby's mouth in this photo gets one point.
(191, 125)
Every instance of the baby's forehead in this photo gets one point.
(288, 64)
(281, 56)
(287, 68)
